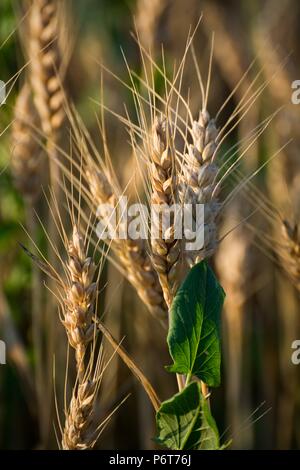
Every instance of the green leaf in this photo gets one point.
(209, 436)
(185, 423)
(194, 333)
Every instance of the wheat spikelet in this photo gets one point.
(45, 61)
(77, 434)
(25, 152)
(165, 248)
(198, 182)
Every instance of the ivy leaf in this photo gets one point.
(194, 333)
(184, 422)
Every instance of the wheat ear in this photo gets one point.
(198, 182)
(25, 152)
(78, 312)
(80, 300)
(77, 433)
(79, 321)
(76, 294)
(45, 62)
(165, 248)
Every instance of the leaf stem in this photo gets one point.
(180, 382)
(188, 379)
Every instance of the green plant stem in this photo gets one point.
(180, 382)
(188, 379)
(180, 378)
(205, 393)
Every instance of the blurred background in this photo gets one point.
(258, 404)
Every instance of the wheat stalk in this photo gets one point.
(235, 265)
(43, 35)
(148, 15)
(27, 160)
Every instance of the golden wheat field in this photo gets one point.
(149, 225)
